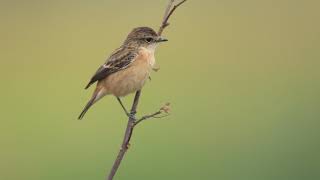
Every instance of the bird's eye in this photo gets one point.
(148, 40)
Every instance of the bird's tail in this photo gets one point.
(95, 97)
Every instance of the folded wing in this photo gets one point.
(119, 60)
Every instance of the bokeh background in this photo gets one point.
(242, 78)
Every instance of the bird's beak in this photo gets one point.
(161, 39)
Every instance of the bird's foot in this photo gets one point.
(131, 116)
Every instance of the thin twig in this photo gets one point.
(154, 115)
(167, 15)
(166, 12)
(131, 121)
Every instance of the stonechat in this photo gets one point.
(127, 69)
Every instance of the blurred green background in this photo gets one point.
(242, 77)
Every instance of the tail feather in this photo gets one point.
(95, 97)
(88, 85)
(98, 94)
(86, 108)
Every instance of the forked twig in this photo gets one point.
(131, 121)
(163, 110)
(167, 15)
(127, 137)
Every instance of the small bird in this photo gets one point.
(127, 69)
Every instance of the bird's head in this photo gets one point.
(144, 37)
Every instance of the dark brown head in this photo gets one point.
(143, 37)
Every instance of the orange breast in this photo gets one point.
(130, 79)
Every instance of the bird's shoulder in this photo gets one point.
(120, 59)
(121, 56)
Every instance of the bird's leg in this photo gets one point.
(130, 115)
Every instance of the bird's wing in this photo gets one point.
(119, 60)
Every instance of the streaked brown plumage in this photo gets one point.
(128, 67)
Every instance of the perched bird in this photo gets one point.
(128, 67)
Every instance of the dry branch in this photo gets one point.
(132, 122)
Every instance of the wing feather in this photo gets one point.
(119, 60)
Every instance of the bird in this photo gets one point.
(127, 69)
